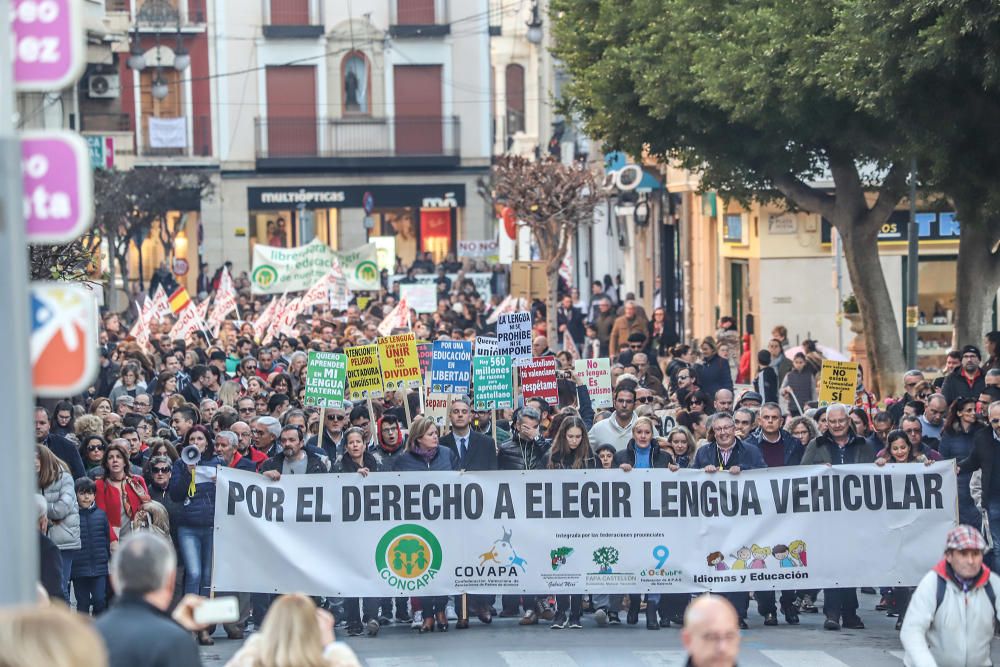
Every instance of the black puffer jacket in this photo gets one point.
(518, 454)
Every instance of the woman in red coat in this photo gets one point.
(119, 493)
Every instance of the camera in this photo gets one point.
(190, 455)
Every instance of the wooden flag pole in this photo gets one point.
(322, 427)
(406, 407)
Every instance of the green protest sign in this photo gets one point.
(492, 382)
(326, 375)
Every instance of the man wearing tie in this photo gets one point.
(475, 452)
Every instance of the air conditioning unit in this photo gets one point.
(103, 86)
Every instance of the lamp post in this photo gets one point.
(534, 24)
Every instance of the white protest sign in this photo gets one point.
(597, 376)
(514, 335)
(421, 297)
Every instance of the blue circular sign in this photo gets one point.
(368, 203)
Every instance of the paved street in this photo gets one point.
(507, 644)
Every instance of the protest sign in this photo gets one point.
(482, 281)
(360, 268)
(514, 335)
(488, 251)
(277, 270)
(326, 376)
(493, 382)
(436, 408)
(552, 531)
(400, 364)
(451, 367)
(538, 379)
(596, 374)
(487, 346)
(364, 375)
(424, 355)
(838, 382)
(421, 297)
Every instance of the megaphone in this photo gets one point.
(190, 455)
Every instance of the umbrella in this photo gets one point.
(827, 352)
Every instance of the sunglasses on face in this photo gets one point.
(95, 448)
(160, 471)
(645, 399)
(696, 401)
(246, 409)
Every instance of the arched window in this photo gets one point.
(515, 99)
(356, 83)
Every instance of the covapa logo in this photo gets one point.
(264, 275)
(367, 271)
(408, 557)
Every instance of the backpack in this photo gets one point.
(942, 586)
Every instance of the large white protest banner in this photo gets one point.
(563, 531)
(278, 270)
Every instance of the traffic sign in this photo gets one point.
(368, 203)
(63, 338)
(48, 44)
(58, 186)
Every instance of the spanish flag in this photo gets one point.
(179, 300)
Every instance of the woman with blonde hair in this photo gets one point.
(294, 634)
(33, 636)
(229, 393)
(56, 484)
(88, 425)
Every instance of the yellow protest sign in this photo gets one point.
(364, 376)
(400, 362)
(838, 382)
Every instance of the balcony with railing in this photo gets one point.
(172, 138)
(358, 143)
(418, 18)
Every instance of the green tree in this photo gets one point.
(606, 557)
(731, 90)
(934, 66)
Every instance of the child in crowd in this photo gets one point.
(90, 567)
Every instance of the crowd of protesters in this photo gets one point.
(109, 461)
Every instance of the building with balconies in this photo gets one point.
(348, 122)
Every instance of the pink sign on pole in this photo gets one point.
(48, 44)
(58, 186)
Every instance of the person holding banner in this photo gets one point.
(193, 485)
(474, 452)
(839, 446)
(526, 450)
(570, 451)
(424, 453)
(640, 452)
(357, 459)
(730, 454)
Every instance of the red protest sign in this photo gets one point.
(538, 379)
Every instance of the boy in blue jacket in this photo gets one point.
(90, 567)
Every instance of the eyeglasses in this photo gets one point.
(246, 409)
(645, 399)
(696, 401)
(143, 405)
(160, 471)
(912, 431)
(995, 421)
(95, 448)
(335, 418)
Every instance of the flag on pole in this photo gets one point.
(161, 305)
(179, 300)
(187, 323)
(396, 319)
(225, 299)
(508, 305)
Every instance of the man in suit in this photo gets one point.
(569, 320)
(475, 452)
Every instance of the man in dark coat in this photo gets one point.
(966, 380)
(729, 454)
(985, 444)
(59, 445)
(839, 446)
(137, 630)
(569, 320)
(476, 452)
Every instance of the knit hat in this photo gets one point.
(971, 349)
(964, 537)
(605, 446)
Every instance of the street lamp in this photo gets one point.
(182, 58)
(535, 25)
(160, 88)
(136, 60)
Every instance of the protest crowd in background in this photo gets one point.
(227, 372)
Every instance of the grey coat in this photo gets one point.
(64, 513)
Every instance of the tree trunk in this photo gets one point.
(978, 279)
(885, 348)
(858, 223)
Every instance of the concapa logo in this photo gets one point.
(408, 557)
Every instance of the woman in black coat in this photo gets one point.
(423, 455)
(766, 382)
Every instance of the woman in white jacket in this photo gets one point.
(949, 622)
(56, 484)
